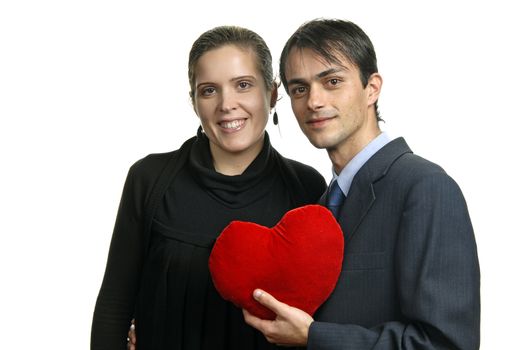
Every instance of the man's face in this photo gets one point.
(331, 105)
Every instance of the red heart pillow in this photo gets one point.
(298, 261)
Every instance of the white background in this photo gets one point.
(89, 87)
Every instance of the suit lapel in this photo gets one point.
(361, 195)
(323, 198)
(359, 200)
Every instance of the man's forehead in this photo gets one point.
(297, 53)
(305, 57)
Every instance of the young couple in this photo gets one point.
(410, 275)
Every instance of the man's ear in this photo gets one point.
(373, 88)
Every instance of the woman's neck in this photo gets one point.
(231, 164)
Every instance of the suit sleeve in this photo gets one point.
(437, 269)
(116, 299)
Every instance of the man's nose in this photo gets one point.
(316, 97)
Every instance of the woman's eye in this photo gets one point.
(208, 91)
(244, 85)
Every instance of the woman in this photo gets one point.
(174, 205)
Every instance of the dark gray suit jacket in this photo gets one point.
(410, 276)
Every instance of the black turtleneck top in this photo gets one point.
(176, 305)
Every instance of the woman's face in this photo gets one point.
(231, 100)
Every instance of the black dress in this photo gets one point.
(177, 306)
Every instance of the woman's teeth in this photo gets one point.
(235, 124)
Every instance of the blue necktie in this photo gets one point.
(335, 198)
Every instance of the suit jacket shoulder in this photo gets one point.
(399, 166)
(397, 161)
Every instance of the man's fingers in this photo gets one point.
(267, 300)
(256, 322)
(252, 320)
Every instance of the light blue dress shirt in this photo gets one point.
(351, 169)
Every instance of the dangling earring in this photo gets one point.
(200, 132)
(275, 117)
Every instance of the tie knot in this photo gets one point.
(335, 198)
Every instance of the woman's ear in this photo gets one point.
(274, 94)
(191, 96)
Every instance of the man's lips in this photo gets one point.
(319, 121)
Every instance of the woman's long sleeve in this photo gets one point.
(116, 300)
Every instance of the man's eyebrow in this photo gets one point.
(300, 81)
(296, 81)
(328, 72)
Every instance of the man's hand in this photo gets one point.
(291, 326)
(131, 337)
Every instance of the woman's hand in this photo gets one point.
(131, 337)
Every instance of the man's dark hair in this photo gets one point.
(330, 38)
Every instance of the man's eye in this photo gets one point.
(299, 90)
(334, 81)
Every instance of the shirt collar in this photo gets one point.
(351, 169)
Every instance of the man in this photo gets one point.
(410, 276)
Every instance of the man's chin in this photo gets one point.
(319, 143)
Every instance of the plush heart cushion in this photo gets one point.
(298, 261)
